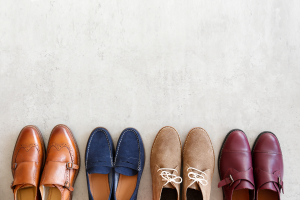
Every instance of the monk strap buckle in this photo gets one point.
(232, 181)
(67, 185)
(280, 184)
(15, 166)
(70, 165)
(236, 176)
(12, 185)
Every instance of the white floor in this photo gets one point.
(146, 64)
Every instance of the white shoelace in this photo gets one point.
(197, 177)
(168, 177)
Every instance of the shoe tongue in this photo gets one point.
(195, 186)
(244, 185)
(169, 185)
(268, 186)
(99, 170)
(126, 171)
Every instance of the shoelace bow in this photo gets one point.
(197, 176)
(168, 177)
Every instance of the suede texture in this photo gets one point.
(165, 153)
(130, 158)
(198, 153)
(99, 156)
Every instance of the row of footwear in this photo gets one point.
(50, 174)
(244, 174)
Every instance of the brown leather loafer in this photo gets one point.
(62, 165)
(235, 167)
(268, 167)
(198, 165)
(165, 164)
(27, 162)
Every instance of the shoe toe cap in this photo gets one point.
(236, 141)
(267, 142)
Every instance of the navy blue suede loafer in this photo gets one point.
(129, 165)
(99, 156)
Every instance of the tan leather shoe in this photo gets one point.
(198, 165)
(62, 165)
(27, 162)
(165, 164)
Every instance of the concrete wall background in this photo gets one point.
(146, 64)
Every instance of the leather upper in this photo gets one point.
(268, 163)
(62, 162)
(235, 165)
(27, 159)
(165, 153)
(198, 163)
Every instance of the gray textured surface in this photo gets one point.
(146, 64)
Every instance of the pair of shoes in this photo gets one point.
(60, 170)
(114, 175)
(245, 175)
(198, 165)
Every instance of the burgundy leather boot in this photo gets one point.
(268, 167)
(235, 167)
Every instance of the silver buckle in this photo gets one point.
(232, 181)
(279, 181)
(72, 164)
(67, 185)
(15, 165)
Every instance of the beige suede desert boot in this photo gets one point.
(165, 163)
(198, 165)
